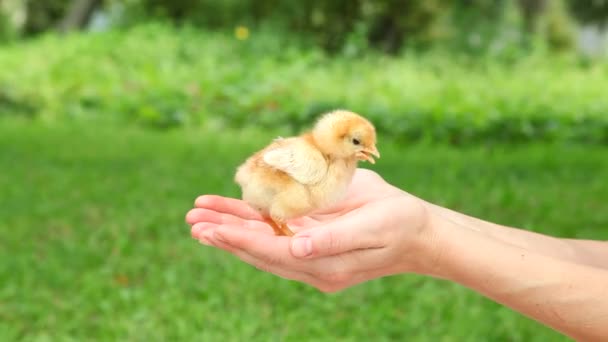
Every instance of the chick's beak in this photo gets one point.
(366, 154)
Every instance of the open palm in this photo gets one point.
(212, 210)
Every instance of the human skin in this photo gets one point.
(380, 230)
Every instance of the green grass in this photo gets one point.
(164, 77)
(93, 245)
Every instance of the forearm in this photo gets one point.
(591, 253)
(570, 297)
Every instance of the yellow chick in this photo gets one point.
(293, 176)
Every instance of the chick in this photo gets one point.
(294, 176)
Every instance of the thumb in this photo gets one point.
(342, 235)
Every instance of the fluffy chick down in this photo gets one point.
(294, 176)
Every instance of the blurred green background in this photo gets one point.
(115, 115)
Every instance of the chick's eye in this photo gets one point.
(356, 141)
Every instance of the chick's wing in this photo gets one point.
(298, 158)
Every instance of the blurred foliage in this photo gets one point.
(590, 11)
(385, 24)
(15, 104)
(352, 27)
(164, 77)
(548, 24)
(43, 15)
(559, 29)
(6, 31)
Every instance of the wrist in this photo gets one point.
(432, 243)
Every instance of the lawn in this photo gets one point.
(94, 245)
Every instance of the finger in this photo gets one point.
(270, 246)
(355, 230)
(227, 205)
(202, 231)
(333, 272)
(265, 266)
(274, 250)
(197, 215)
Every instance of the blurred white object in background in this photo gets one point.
(593, 41)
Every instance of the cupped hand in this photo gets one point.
(377, 230)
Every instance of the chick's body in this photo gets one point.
(293, 176)
(276, 193)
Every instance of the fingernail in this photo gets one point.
(301, 247)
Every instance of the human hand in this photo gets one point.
(377, 230)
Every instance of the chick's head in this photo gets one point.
(344, 134)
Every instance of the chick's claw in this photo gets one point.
(275, 227)
(286, 230)
(280, 229)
